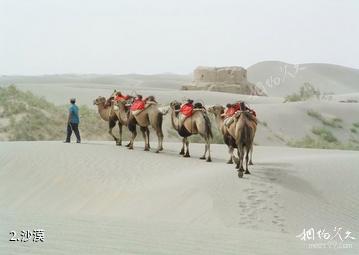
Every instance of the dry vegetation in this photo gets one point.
(306, 92)
(332, 122)
(27, 117)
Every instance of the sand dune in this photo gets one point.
(59, 93)
(96, 198)
(283, 122)
(281, 79)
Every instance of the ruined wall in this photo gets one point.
(231, 79)
(231, 75)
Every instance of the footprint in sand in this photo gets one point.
(252, 197)
(242, 204)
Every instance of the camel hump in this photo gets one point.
(253, 118)
(150, 103)
(250, 116)
(198, 105)
(151, 99)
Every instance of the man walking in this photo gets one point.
(73, 122)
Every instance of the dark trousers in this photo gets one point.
(73, 127)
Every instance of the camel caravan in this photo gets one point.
(236, 122)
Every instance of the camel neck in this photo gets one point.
(174, 120)
(104, 112)
(122, 114)
(219, 120)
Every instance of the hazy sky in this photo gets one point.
(155, 36)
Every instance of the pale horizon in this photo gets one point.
(156, 37)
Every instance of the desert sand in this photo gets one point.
(96, 198)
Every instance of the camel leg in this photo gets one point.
(230, 151)
(183, 144)
(144, 134)
(133, 136)
(148, 137)
(205, 151)
(241, 159)
(132, 128)
(111, 125)
(238, 163)
(250, 161)
(159, 132)
(247, 158)
(119, 143)
(160, 140)
(209, 159)
(205, 146)
(186, 155)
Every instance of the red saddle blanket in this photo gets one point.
(187, 110)
(137, 105)
(121, 98)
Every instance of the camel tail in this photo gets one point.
(208, 126)
(246, 137)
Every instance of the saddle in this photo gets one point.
(249, 114)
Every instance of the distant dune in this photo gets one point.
(280, 124)
(165, 80)
(281, 79)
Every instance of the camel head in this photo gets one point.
(216, 109)
(100, 100)
(175, 105)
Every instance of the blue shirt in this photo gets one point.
(74, 111)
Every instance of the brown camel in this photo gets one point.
(243, 131)
(150, 116)
(107, 113)
(217, 111)
(124, 115)
(198, 123)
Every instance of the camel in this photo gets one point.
(217, 111)
(198, 123)
(150, 116)
(107, 113)
(243, 132)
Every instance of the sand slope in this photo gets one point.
(281, 79)
(96, 198)
(284, 122)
